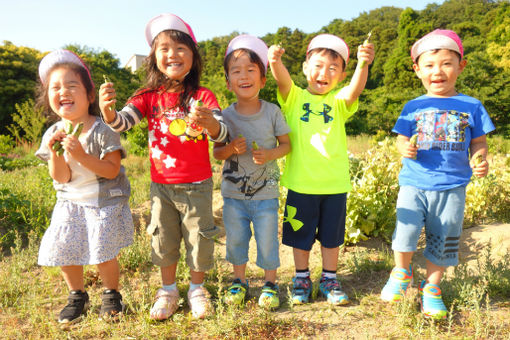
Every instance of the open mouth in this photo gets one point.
(66, 103)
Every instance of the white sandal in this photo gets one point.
(165, 305)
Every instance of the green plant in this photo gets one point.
(6, 144)
(29, 122)
(137, 139)
(371, 203)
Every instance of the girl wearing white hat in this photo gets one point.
(179, 126)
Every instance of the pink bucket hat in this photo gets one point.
(332, 42)
(437, 39)
(60, 57)
(166, 21)
(251, 43)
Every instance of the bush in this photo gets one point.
(137, 139)
(6, 144)
(29, 122)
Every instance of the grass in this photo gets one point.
(31, 297)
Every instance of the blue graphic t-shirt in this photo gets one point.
(445, 127)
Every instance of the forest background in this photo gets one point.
(483, 25)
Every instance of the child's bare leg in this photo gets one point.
(240, 272)
(197, 277)
(168, 274)
(73, 275)
(434, 273)
(403, 260)
(301, 258)
(329, 258)
(270, 275)
(109, 272)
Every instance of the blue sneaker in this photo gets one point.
(301, 290)
(397, 284)
(432, 305)
(332, 290)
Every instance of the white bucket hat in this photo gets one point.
(251, 43)
(437, 39)
(166, 21)
(331, 42)
(59, 57)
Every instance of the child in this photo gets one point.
(450, 127)
(181, 188)
(317, 169)
(250, 174)
(91, 220)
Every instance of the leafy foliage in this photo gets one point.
(482, 25)
(29, 122)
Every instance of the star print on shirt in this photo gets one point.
(170, 162)
(164, 141)
(152, 137)
(156, 152)
(164, 127)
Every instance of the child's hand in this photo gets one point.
(73, 147)
(239, 145)
(366, 54)
(409, 150)
(274, 54)
(479, 165)
(107, 101)
(203, 117)
(55, 142)
(260, 156)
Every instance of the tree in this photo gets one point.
(18, 78)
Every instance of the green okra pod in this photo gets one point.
(365, 43)
(77, 130)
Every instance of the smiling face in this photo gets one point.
(323, 72)
(67, 95)
(244, 76)
(438, 71)
(174, 59)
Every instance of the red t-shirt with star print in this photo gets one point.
(176, 157)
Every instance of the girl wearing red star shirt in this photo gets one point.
(179, 128)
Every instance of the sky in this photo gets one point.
(118, 26)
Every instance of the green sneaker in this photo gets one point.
(236, 293)
(269, 296)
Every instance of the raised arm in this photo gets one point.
(360, 76)
(279, 71)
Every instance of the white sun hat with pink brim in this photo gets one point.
(166, 21)
(331, 42)
(437, 40)
(60, 57)
(249, 42)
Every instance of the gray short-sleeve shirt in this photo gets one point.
(242, 178)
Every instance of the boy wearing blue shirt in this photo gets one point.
(451, 146)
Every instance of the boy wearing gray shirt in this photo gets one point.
(257, 136)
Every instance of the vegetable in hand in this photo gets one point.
(254, 145)
(478, 159)
(365, 43)
(107, 80)
(414, 142)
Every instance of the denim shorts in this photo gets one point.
(263, 214)
(442, 214)
(310, 217)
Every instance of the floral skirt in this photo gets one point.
(80, 235)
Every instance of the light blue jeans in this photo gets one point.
(442, 214)
(237, 215)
